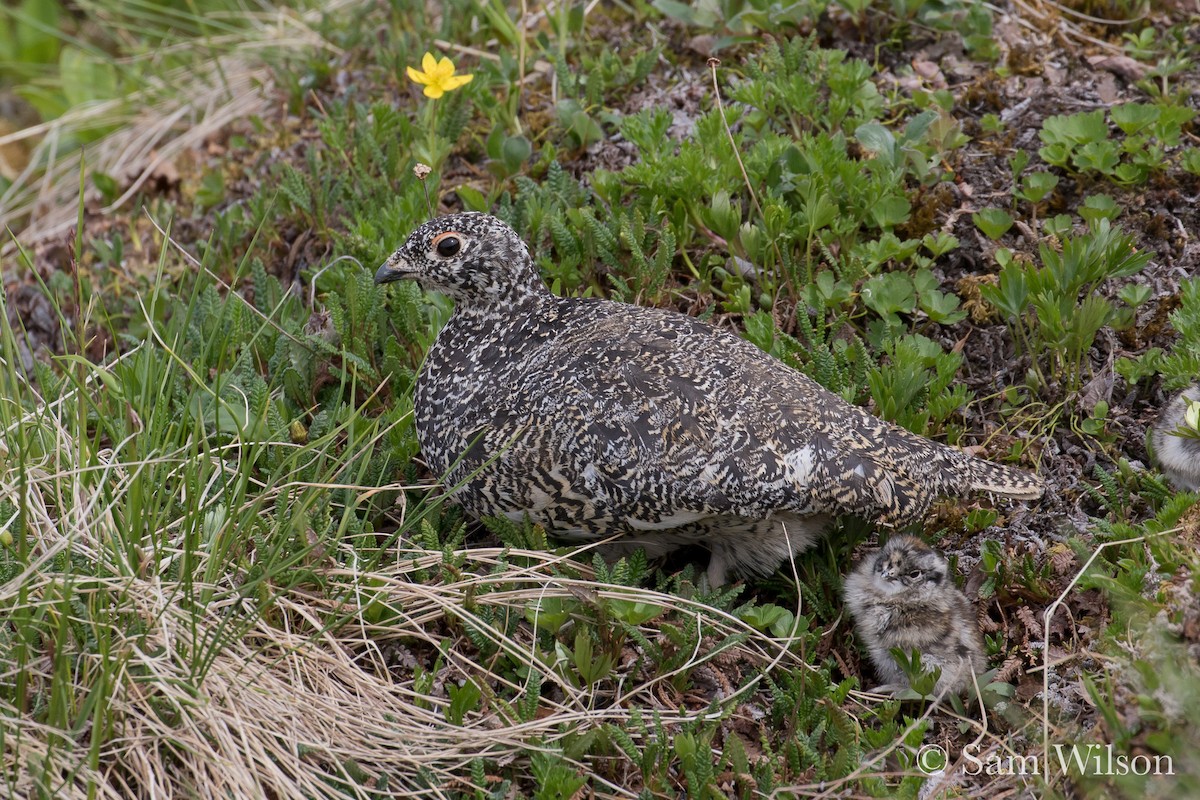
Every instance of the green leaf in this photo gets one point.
(1098, 207)
(463, 699)
(760, 330)
(1011, 296)
(698, 15)
(1134, 117)
(1075, 128)
(1057, 154)
(211, 190)
(634, 612)
(889, 293)
(1189, 159)
(515, 151)
(582, 129)
(590, 666)
(1101, 156)
(549, 613)
(1017, 163)
(889, 212)
(37, 22)
(107, 185)
(919, 125)
(942, 307)
(84, 77)
(994, 222)
(1036, 185)
(878, 140)
(472, 198)
(1134, 294)
(1058, 226)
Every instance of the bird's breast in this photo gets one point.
(469, 382)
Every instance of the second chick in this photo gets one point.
(903, 596)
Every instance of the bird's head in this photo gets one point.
(906, 564)
(475, 259)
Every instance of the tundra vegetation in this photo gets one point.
(224, 570)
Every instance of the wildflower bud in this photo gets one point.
(297, 432)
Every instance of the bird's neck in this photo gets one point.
(513, 305)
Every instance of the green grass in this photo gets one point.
(222, 565)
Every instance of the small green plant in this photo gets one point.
(994, 222)
(979, 519)
(1189, 159)
(1099, 206)
(1010, 575)
(838, 364)
(1054, 311)
(769, 617)
(1180, 365)
(556, 779)
(924, 143)
(508, 154)
(1143, 44)
(891, 294)
(915, 385)
(1157, 82)
(1080, 142)
(1031, 187)
(921, 681)
(738, 20)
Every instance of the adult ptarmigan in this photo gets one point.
(596, 418)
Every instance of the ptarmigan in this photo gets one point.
(596, 418)
(1178, 456)
(904, 596)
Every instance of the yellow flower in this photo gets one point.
(437, 76)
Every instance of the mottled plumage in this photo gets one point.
(1177, 456)
(904, 596)
(594, 418)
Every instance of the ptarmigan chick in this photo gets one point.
(904, 596)
(1178, 456)
(596, 418)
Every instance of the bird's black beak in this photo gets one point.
(394, 269)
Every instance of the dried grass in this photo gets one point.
(299, 698)
(171, 114)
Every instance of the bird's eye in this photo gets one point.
(914, 574)
(447, 245)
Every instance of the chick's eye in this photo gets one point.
(914, 574)
(447, 246)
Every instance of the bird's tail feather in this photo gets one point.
(984, 476)
(955, 470)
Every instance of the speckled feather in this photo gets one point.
(595, 418)
(904, 596)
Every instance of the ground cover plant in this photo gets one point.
(224, 569)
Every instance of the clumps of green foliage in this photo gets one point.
(1055, 311)
(1180, 366)
(1080, 143)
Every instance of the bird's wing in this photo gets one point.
(668, 423)
(704, 421)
